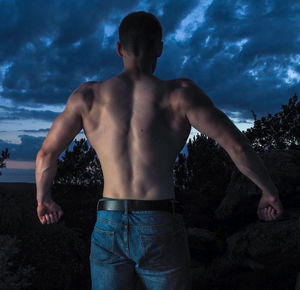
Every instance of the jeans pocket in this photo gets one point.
(164, 250)
(102, 246)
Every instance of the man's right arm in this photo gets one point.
(209, 120)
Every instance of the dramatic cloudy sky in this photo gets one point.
(244, 54)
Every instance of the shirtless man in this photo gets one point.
(138, 124)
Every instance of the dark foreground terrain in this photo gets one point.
(231, 248)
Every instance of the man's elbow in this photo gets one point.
(42, 154)
(236, 148)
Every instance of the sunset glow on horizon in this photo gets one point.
(15, 164)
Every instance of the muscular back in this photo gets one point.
(137, 128)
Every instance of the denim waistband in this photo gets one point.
(125, 201)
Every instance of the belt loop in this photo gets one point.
(97, 206)
(126, 206)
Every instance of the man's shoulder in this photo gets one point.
(182, 86)
(83, 95)
(85, 87)
(188, 93)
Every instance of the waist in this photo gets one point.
(170, 205)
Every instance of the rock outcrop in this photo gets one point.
(231, 248)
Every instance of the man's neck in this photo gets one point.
(137, 66)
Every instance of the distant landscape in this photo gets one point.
(28, 175)
(17, 175)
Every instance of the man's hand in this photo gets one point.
(49, 212)
(269, 208)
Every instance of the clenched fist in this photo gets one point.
(269, 208)
(49, 212)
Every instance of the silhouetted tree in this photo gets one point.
(280, 131)
(4, 155)
(208, 165)
(80, 166)
(180, 172)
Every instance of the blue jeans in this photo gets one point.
(139, 250)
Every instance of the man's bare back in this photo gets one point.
(138, 124)
(137, 128)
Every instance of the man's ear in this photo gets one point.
(119, 49)
(160, 49)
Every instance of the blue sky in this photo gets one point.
(244, 54)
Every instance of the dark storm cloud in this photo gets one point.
(64, 21)
(239, 55)
(11, 113)
(251, 76)
(26, 150)
(172, 13)
(51, 47)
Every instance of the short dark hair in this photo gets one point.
(139, 31)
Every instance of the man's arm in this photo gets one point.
(63, 130)
(206, 118)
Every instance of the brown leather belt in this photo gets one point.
(170, 205)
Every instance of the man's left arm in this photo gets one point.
(63, 130)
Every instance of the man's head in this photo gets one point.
(140, 34)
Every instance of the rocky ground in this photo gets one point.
(231, 248)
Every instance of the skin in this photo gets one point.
(137, 125)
